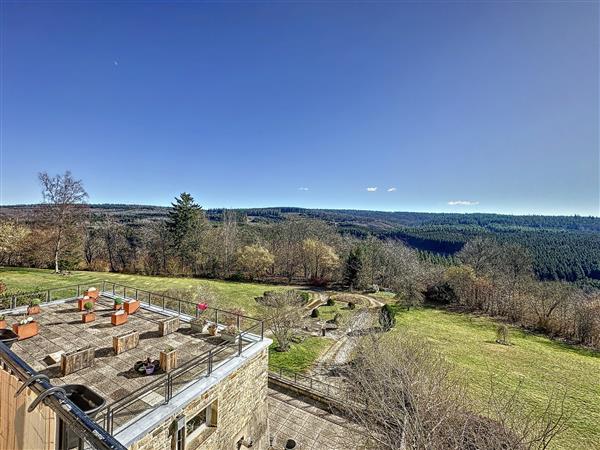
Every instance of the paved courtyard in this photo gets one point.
(312, 428)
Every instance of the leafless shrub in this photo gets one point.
(405, 395)
(284, 316)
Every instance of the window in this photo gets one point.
(199, 426)
(196, 422)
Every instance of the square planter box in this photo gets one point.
(131, 306)
(198, 327)
(89, 317)
(117, 307)
(33, 310)
(2, 323)
(168, 361)
(92, 293)
(83, 301)
(118, 319)
(26, 331)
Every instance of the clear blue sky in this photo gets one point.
(494, 104)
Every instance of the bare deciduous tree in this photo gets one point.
(284, 316)
(404, 395)
(64, 197)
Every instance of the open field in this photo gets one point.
(229, 294)
(540, 363)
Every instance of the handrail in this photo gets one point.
(71, 414)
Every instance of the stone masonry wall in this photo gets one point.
(242, 411)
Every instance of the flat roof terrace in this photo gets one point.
(127, 392)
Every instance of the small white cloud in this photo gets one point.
(303, 189)
(371, 189)
(462, 203)
(116, 63)
(392, 189)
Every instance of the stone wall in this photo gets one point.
(241, 412)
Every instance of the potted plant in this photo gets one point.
(198, 324)
(34, 306)
(212, 329)
(147, 367)
(89, 316)
(2, 321)
(26, 328)
(230, 333)
(83, 300)
(118, 304)
(168, 359)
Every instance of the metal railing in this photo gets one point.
(319, 387)
(13, 301)
(73, 417)
(179, 306)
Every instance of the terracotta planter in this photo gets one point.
(212, 330)
(131, 307)
(89, 317)
(117, 307)
(2, 323)
(92, 294)
(83, 301)
(118, 319)
(168, 361)
(26, 331)
(33, 310)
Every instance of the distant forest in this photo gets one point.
(562, 247)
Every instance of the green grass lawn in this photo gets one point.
(300, 357)
(229, 294)
(542, 364)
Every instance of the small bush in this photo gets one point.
(88, 306)
(351, 305)
(330, 301)
(502, 335)
(305, 296)
(315, 313)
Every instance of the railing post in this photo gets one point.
(262, 330)
(179, 306)
(124, 291)
(113, 289)
(78, 290)
(14, 302)
(239, 337)
(163, 302)
(216, 316)
(136, 294)
(210, 362)
(103, 285)
(48, 296)
(238, 321)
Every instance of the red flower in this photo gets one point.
(202, 306)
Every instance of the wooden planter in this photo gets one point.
(117, 307)
(132, 306)
(198, 327)
(2, 323)
(26, 331)
(89, 317)
(33, 310)
(168, 361)
(118, 319)
(83, 301)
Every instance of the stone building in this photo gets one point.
(169, 375)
